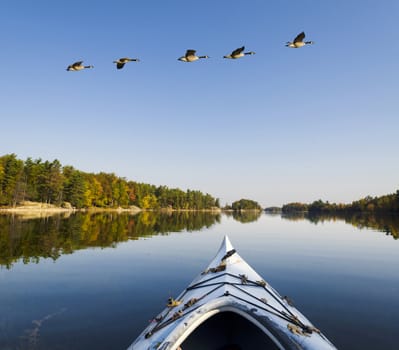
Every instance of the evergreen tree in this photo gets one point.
(11, 181)
(75, 189)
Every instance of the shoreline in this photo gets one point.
(35, 208)
(45, 208)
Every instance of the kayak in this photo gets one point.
(230, 306)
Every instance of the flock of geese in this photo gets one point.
(191, 55)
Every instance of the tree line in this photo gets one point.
(383, 204)
(53, 183)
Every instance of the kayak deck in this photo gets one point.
(230, 290)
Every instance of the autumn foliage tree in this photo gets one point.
(50, 182)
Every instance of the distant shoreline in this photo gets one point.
(37, 208)
(56, 210)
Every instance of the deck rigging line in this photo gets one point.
(287, 316)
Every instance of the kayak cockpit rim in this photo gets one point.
(199, 321)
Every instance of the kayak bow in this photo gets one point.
(242, 311)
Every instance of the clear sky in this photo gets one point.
(284, 125)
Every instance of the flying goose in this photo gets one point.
(298, 41)
(190, 56)
(239, 53)
(77, 66)
(122, 61)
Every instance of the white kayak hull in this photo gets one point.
(229, 286)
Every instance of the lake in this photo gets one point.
(94, 281)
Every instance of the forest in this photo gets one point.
(53, 183)
(383, 204)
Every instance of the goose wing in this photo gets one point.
(190, 53)
(299, 37)
(238, 51)
(74, 66)
(119, 65)
(77, 64)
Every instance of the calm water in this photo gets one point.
(95, 281)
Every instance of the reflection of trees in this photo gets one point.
(245, 216)
(294, 216)
(388, 223)
(384, 223)
(50, 237)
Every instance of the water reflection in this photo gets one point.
(52, 236)
(245, 216)
(30, 239)
(387, 223)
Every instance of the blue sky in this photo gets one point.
(284, 125)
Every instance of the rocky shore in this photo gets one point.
(36, 209)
